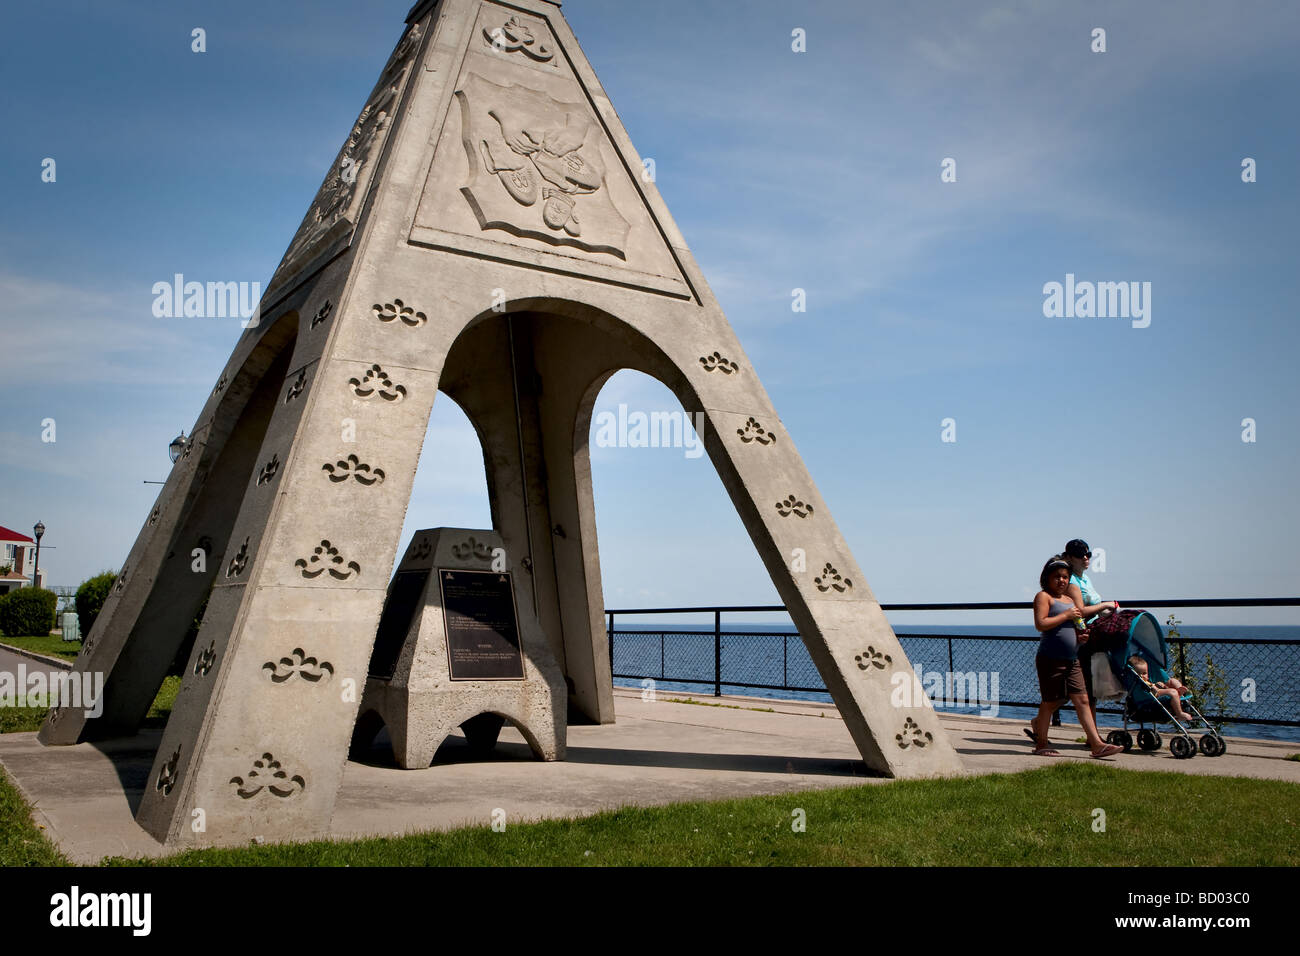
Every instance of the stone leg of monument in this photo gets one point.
(495, 374)
(486, 186)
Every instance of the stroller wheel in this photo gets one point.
(1120, 738)
(1148, 739)
(1212, 745)
(1182, 747)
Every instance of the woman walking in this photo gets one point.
(1059, 675)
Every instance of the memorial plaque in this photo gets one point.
(478, 610)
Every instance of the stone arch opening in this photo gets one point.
(527, 377)
(677, 543)
(450, 484)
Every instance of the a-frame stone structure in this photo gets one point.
(486, 230)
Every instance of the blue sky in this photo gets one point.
(817, 170)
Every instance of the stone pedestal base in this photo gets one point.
(411, 689)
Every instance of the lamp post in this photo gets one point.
(174, 452)
(39, 529)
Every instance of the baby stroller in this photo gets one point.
(1146, 639)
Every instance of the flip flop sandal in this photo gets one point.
(1045, 752)
(1107, 751)
(1031, 735)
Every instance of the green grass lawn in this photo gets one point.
(21, 720)
(17, 720)
(50, 646)
(21, 842)
(1039, 817)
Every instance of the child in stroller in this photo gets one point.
(1174, 689)
(1140, 661)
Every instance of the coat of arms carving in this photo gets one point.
(536, 168)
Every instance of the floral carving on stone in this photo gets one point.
(298, 664)
(831, 579)
(716, 362)
(239, 562)
(206, 659)
(353, 467)
(536, 168)
(324, 558)
(397, 310)
(872, 658)
(268, 774)
(376, 381)
(167, 776)
(516, 34)
(322, 313)
(471, 548)
(296, 388)
(913, 735)
(268, 470)
(793, 506)
(753, 431)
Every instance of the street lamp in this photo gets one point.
(177, 447)
(39, 529)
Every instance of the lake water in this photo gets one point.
(1262, 679)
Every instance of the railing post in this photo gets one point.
(717, 653)
(611, 645)
(947, 684)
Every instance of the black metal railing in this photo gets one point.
(1246, 680)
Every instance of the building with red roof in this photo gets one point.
(18, 553)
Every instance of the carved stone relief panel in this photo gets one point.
(527, 168)
(536, 167)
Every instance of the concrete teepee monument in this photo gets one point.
(486, 230)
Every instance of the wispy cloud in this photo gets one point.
(68, 333)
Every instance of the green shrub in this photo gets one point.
(90, 598)
(1209, 686)
(28, 611)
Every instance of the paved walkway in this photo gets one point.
(658, 752)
